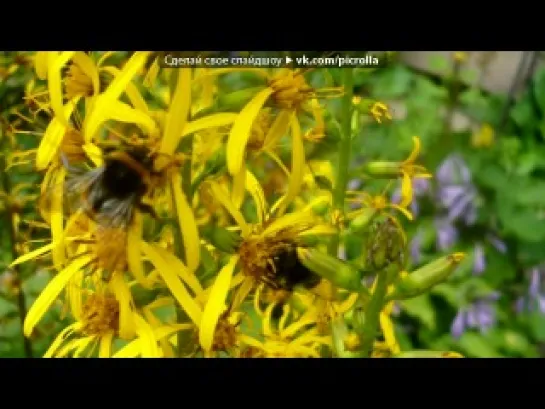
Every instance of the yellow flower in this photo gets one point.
(484, 137)
(380, 110)
(409, 171)
(460, 56)
(290, 94)
(298, 339)
(378, 203)
(270, 241)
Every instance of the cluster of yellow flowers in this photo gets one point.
(179, 228)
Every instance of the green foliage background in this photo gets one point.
(509, 177)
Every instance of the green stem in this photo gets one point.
(344, 152)
(372, 313)
(5, 185)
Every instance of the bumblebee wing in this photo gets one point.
(73, 188)
(116, 212)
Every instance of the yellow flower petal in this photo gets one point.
(278, 129)
(254, 188)
(119, 111)
(94, 153)
(266, 326)
(151, 75)
(388, 332)
(83, 344)
(210, 121)
(59, 339)
(123, 295)
(247, 340)
(33, 254)
(53, 136)
(187, 223)
(57, 220)
(216, 304)
(101, 105)
(297, 166)
(242, 292)
(133, 349)
(176, 287)
(134, 259)
(137, 101)
(54, 83)
(415, 152)
(185, 273)
(319, 230)
(221, 195)
(104, 57)
(177, 112)
(40, 64)
(406, 191)
(105, 348)
(290, 220)
(74, 294)
(240, 132)
(148, 343)
(51, 292)
(407, 214)
(89, 68)
(238, 189)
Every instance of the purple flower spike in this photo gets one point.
(479, 261)
(447, 235)
(520, 305)
(535, 283)
(458, 325)
(497, 243)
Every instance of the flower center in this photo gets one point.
(77, 83)
(110, 249)
(225, 336)
(100, 314)
(291, 90)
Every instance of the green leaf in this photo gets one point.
(420, 308)
(476, 346)
(392, 82)
(537, 325)
(450, 293)
(523, 113)
(522, 222)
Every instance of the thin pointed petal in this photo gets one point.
(105, 348)
(240, 132)
(176, 287)
(54, 83)
(216, 304)
(178, 112)
(210, 121)
(51, 292)
(187, 223)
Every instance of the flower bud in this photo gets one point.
(428, 354)
(338, 272)
(360, 223)
(386, 245)
(383, 170)
(426, 277)
(223, 239)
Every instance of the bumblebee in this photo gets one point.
(289, 272)
(110, 193)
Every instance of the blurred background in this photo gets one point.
(481, 119)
